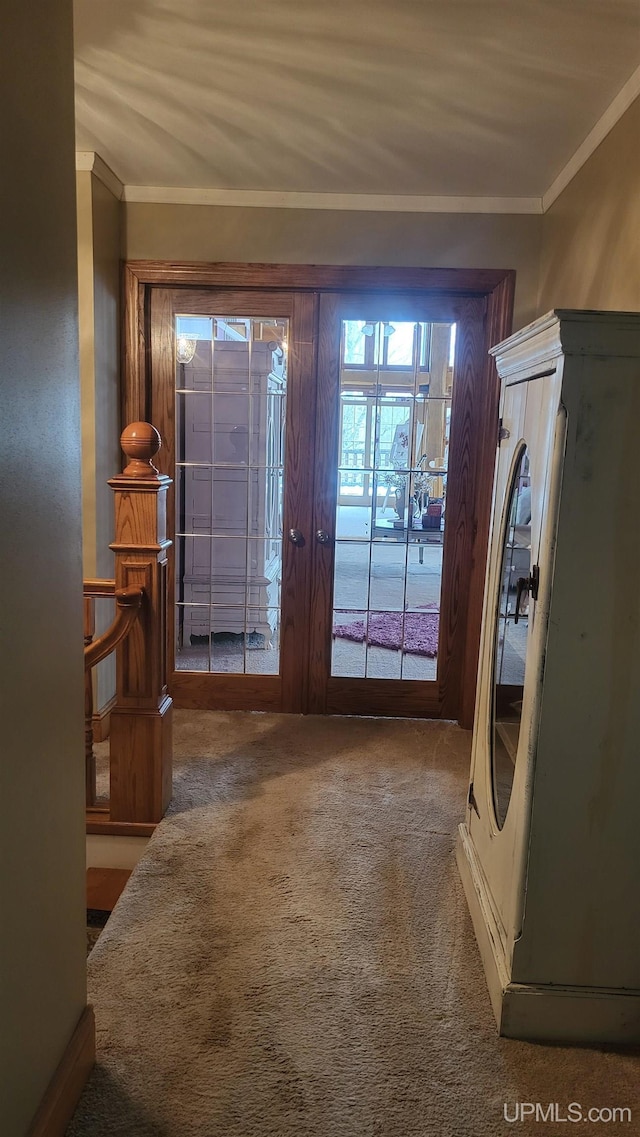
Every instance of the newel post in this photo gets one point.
(141, 734)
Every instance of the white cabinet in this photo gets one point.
(549, 852)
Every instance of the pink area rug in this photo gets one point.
(385, 629)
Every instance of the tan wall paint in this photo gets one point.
(84, 199)
(297, 236)
(99, 291)
(107, 459)
(106, 284)
(591, 234)
(42, 858)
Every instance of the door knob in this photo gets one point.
(296, 537)
(322, 537)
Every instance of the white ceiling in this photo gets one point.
(430, 97)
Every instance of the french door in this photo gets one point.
(232, 388)
(399, 396)
(326, 450)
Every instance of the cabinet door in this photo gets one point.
(512, 646)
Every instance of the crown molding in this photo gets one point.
(358, 202)
(367, 202)
(90, 162)
(611, 116)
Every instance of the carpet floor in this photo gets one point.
(292, 957)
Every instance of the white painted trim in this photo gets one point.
(356, 202)
(85, 160)
(611, 116)
(89, 161)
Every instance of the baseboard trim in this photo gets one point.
(63, 1092)
(101, 721)
(535, 1011)
(99, 822)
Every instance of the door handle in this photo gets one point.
(322, 537)
(296, 537)
(526, 585)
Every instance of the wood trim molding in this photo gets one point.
(134, 396)
(63, 1092)
(499, 320)
(99, 822)
(139, 276)
(343, 278)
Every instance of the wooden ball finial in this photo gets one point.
(140, 442)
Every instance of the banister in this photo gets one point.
(139, 724)
(128, 602)
(98, 589)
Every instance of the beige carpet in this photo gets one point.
(293, 956)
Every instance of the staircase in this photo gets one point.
(140, 762)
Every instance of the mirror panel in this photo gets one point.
(511, 633)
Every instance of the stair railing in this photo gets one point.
(128, 601)
(140, 759)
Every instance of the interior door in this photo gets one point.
(326, 451)
(400, 405)
(232, 393)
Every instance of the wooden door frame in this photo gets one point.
(494, 286)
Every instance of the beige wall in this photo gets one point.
(42, 859)
(99, 288)
(300, 236)
(106, 306)
(84, 199)
(591, 234)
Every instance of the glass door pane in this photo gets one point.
(230, 391)
(396, 382)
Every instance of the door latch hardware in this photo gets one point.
(296, 537)
(526, 585)
(322, 537)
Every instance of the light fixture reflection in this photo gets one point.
(185, 349)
